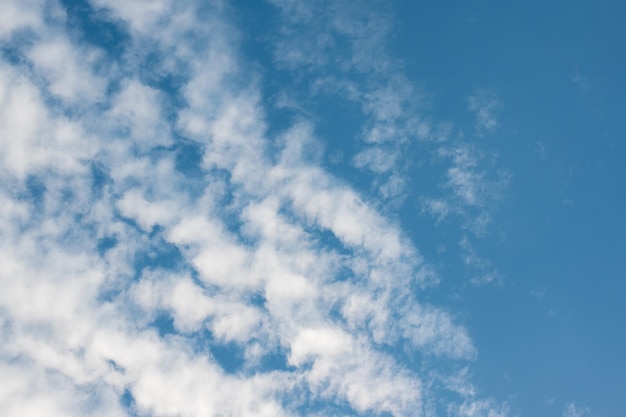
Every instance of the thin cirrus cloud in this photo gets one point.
(263, 253)
(485, 106)
(331, 45)
(470, 192)
(573, 410)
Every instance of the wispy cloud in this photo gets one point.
(470, 191)
(481, 269)
(262, 251)
(485, 106)
(573, 410)
(342, 49)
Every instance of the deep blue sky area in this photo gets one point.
(562, 226)
(289, 207)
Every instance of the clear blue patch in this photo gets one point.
(257, 299)
(161, 254)
(164, 323)
(275, 361)
(189, 158)
(35, 192)
(11, 51)
(99, 179)
(96, 27)
(229, 356)
(127, 401)
(108, 295)
(106, 243)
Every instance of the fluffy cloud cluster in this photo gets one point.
(139, 188)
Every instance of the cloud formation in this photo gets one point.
(471, 191)
(148, 221)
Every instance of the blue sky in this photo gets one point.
(294, 208)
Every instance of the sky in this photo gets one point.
(283, 208)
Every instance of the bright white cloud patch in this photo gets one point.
(124, 274)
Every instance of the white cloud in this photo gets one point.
(318, 342)
(68, 70)
(136, 109)
(21, 15)
(32, 137)
(33, 392)
(271, 253)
